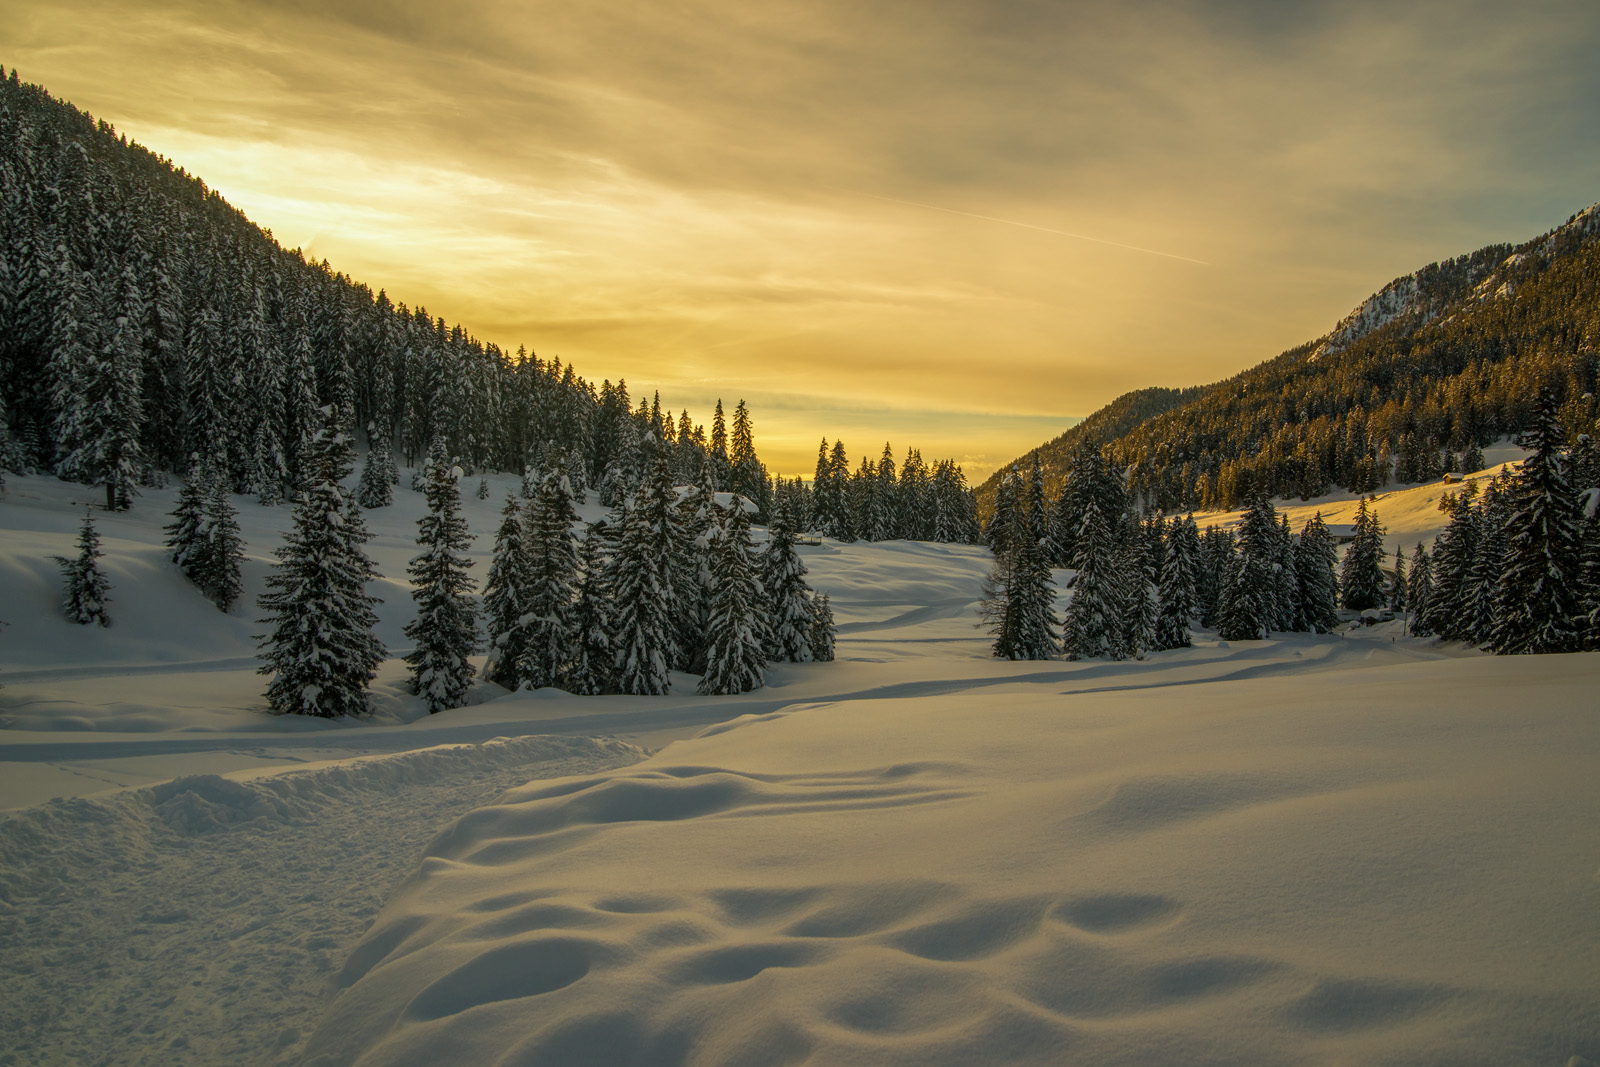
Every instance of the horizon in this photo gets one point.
(962, 233)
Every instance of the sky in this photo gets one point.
(951, 224)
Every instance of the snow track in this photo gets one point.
(199, 921)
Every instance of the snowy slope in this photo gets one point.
(1386, 866)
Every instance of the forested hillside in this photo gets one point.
(144, 321)
(1435, 365)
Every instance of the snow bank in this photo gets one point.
(1396, 864)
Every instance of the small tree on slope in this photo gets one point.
(87, 585)
(445, 631)
(218, 572)
(823, 631)
(736, 624)
(321, 651)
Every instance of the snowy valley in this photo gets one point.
(1354, 847)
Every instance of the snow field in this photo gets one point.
(198, 921)
(1395, 863)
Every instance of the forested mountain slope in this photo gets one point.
(143, 321)
(1434, 365)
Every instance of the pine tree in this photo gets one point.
(1538, 603)
(376, 487)
(1315, 559)
(1249, 604)
(1178, 605)
(1094, 615)
(788, 597)
(505, 596)
(736, 625)
(186, 536)
(1397, 595)
(321, 651)
(823, 632)
(590, 671)
(1019, 603)
(551, 622)
(643, 582)
(1453, 555)
(445, 632)
(1361, 576)
(1419, 592)
(218, 570)
(87, 585)
(1005, 519)
(1491, 519)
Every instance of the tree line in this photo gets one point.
(1516, 571)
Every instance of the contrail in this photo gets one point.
(1041, 229)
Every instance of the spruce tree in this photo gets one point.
(1316, 556)
(1397, 595)
(505, 596)
(186, 535)
(552, 593)
(590, 671)
(1538, 602)
(1361, 575)
(218, 571)
(376, 487)
(445, 632)
(85, 598)
(1177, 598)
(1094, 615)
(788, 597)
(1492, 520)
(1006, 521)
(1419, 593)
(823, 631)
(321, 650)
(1249, 592)
(1453, 555)
(736, 624)
(643, 567)
(1019, 603)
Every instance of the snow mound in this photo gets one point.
(1254, 872)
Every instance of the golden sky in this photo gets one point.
(946, 223)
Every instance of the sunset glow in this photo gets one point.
(958, 226)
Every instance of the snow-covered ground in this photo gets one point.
(1349, 849)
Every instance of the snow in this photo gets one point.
(1353, 848)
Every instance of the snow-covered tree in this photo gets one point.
(1178, 606)
(788, 597)
(85, 598)
(1538, 602)
(1397, 592)
(1248, 602)
(217, 571)
(321, 650)
(642, 583)
(1019, 602)
(1419, 593)
(1094, 615)
(376, 487)
(736, 623)
(551, 626)
(1315, 559)
(505, 596)
(186, 535)
(593, 658)
(1361, 575)
(445, 632)
(823, 631)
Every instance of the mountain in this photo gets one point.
(1435, 364)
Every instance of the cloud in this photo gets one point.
(673, 193)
